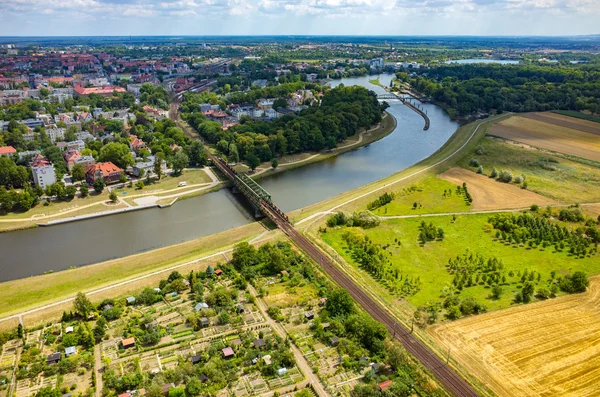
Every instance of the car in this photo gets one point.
(182, 184)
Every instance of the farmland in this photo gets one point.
(547, 348)
(553, 132)
(489, 194)
(562, 179)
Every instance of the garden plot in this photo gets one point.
(34, 338)
(291, 377)
(29, 387)
(150, 364)
(110, 349)
(8, 359)
(249, 385)
(170, 320)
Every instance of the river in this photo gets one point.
(35, 251)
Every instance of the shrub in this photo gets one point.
(494, 173)
(535, 208)
(519, 179)
(480, 169)
(474, 163)
(505, 176)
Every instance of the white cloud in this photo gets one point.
(300, 16)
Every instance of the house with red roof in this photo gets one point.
(136, 143)
(107, 171)
(7, 150)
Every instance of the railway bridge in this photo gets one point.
(451, 381)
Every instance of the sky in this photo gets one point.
(298, 17)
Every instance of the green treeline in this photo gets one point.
(466, 89)
(342, 112)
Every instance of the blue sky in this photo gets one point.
(258, 17)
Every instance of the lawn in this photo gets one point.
(432, 196)
(467, 232)
(550, 175)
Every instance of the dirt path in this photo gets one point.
(98, 370)
(299, 357)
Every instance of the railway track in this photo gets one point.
(451, 381)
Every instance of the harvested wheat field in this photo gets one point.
(489, 194)
(549, 348)
(553, 132)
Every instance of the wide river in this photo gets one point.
(35, 251)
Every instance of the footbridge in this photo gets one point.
(451, 381)
(407, 102)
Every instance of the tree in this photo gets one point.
(99, 185)
(20, 332)
(497, 291)
(82, 305)
(84, 190)
(180, 161)
(158, 161)
(117, 153)
(579, 282)
(78, 173)
(113, 196)
(274, 163)
(70, 191)
(253, 161)
(339, 303)
(194, 386)
(197, 154)
(494, 173)
(397, 356)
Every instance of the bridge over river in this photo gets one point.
(407, 102)
(263, 203)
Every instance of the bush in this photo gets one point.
(519, 179)
(578, 282)
(480, 169)
(572, 215)
(474, 163)
(535, 208)
(505, 176)
(494, 173)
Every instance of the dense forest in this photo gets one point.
(465, 89)
(342, 112)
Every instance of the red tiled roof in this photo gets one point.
(98, 90)
(107, 168)
(39, 160)
(7, 150)
(385, 384)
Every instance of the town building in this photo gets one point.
(42, 171)
(107, 171)
(7, 150)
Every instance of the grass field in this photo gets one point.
(489, 194)
(548, 348)
(430, 199)
(19, 295)
(550, 175)
(553, 132)
(467, 232)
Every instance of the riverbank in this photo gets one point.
(55, 287)
(364, 138)
(120, 276)
(98, 205)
